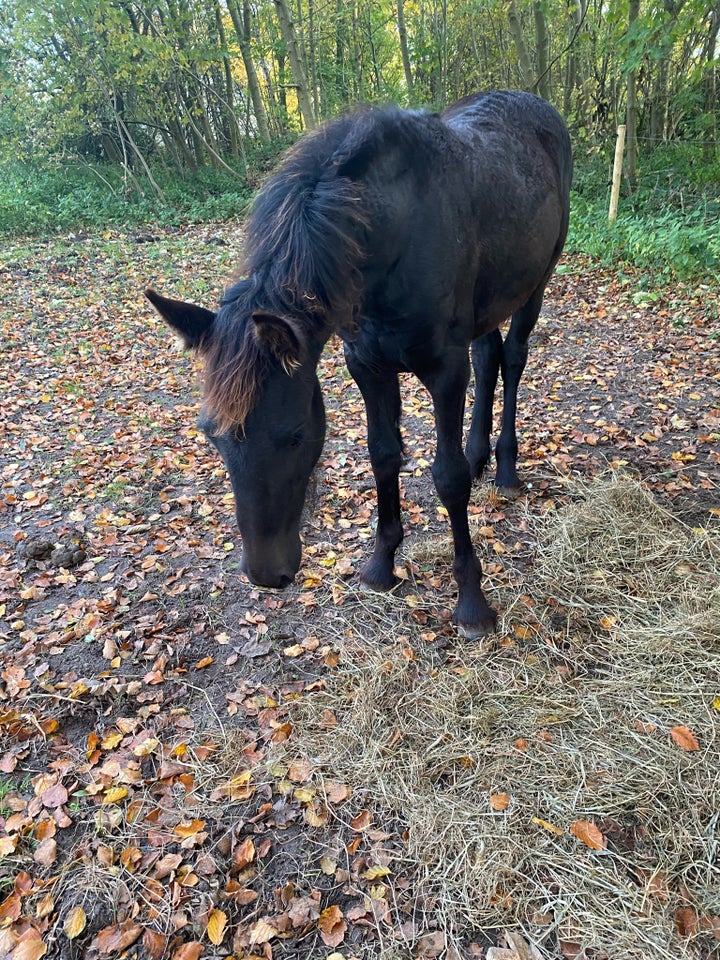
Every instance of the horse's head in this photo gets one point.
(269, 444)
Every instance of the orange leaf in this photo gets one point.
(588, 833)
(154, 943)
(684, 737)
(361, 821)
(686, 921)
(332, 926)
(500, 801)
(244, 854)
(548, 826)
(189, 829)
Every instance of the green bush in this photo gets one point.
(75, 197)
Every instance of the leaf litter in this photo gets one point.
(193, 767)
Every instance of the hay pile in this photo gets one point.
(609, 650)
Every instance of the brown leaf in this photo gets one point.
(499, 801)
(332, 926)
(155, 943)
(684, 737)
(588, 833)
(244, 854)
(117, 937)
(46, 852)
(29, 950)
(189, 951)
(54, 796)
(361, 821)
(431, 945)
(686, 921)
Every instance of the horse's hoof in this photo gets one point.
(378, 576)
(484, 626)
(369, 586)
(511, 493)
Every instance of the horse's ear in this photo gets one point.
(281, 337)
(186, 319)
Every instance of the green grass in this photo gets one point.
(668, 226)
(76, 197)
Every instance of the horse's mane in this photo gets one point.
(304, 253)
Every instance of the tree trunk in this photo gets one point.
(524, 66)
(542, 45)
(241, 22)
(402, 34)
(287, 29)
(631, 113)
(229, 104)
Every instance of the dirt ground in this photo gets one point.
(147, 688)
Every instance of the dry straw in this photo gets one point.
(619, 620)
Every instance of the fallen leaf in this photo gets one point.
(75, 923)
(189, 951)
(361, 822)
(588, 833)
(684, 738)
(29, 950)
(117, 937)
(548, 826)
(332, 926)
(499, 801)
(217, 921)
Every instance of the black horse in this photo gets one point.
(412, 235)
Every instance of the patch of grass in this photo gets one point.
(75, 197)
(495, 765)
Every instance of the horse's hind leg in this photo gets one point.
(486, 354)
(381, 394)
(512, 365)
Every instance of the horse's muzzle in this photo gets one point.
(275, 577)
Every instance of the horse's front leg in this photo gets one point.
(381, 394)
(451, 473)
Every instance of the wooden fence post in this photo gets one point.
(617, 172)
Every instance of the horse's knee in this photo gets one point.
(453, 481)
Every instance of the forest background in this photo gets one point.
(120, 112)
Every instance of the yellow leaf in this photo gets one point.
(548, 826)
(716, 703)
(111, 741)
(373, 873)
(216, 927)
(145, 748)
(74, 923)
(115, 794)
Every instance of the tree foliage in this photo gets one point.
(189, 84)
